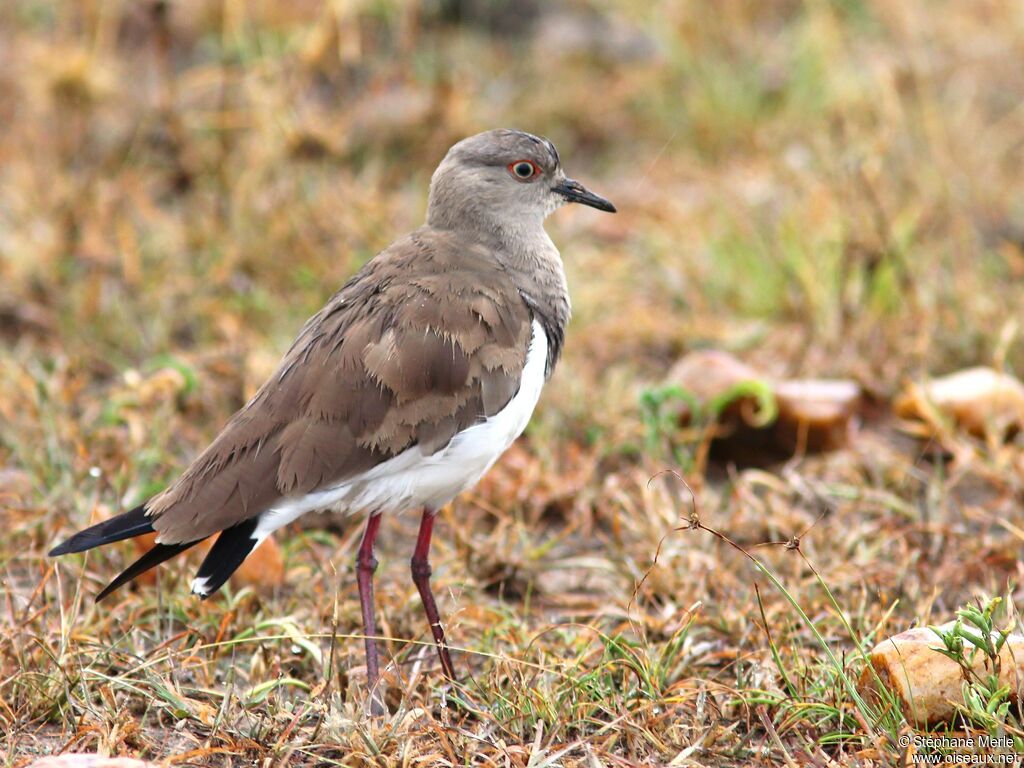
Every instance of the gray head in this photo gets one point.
(502, 181)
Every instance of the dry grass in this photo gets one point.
(826, 188)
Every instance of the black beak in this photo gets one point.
(575, 192)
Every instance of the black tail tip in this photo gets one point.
(104, 594)
(80, 542)
(127, 525)
(66, 547)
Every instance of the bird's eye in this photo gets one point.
(523, 169)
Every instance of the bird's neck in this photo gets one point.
(530, 256)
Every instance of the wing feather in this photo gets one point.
(414, 348)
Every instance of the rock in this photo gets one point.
(789, 415)
(815, 414)
(709, 375)
(78, 760)
(975, 399)
(927, 683)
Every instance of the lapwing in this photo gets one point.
(400, 393)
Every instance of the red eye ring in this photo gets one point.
(523, 170)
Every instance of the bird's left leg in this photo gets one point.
(421, 578)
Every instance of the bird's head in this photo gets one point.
(503, 178)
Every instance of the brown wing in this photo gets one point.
(369, 376)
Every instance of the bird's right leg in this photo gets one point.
(366, 564)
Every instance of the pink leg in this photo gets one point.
(366, 564)
(421, 578)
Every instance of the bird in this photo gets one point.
(399, 394)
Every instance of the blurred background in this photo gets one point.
(832, 186)
(819, 187)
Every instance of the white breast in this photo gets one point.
(411, 480)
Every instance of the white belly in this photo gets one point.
(411, 480)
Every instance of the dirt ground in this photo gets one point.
(826, 188)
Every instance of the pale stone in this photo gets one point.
(79, 760)
(927, 683)
(708, 373)
(815, 414)
(975, 399)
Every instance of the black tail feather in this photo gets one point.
(124, 526)
(158, 554)
(231, 548)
